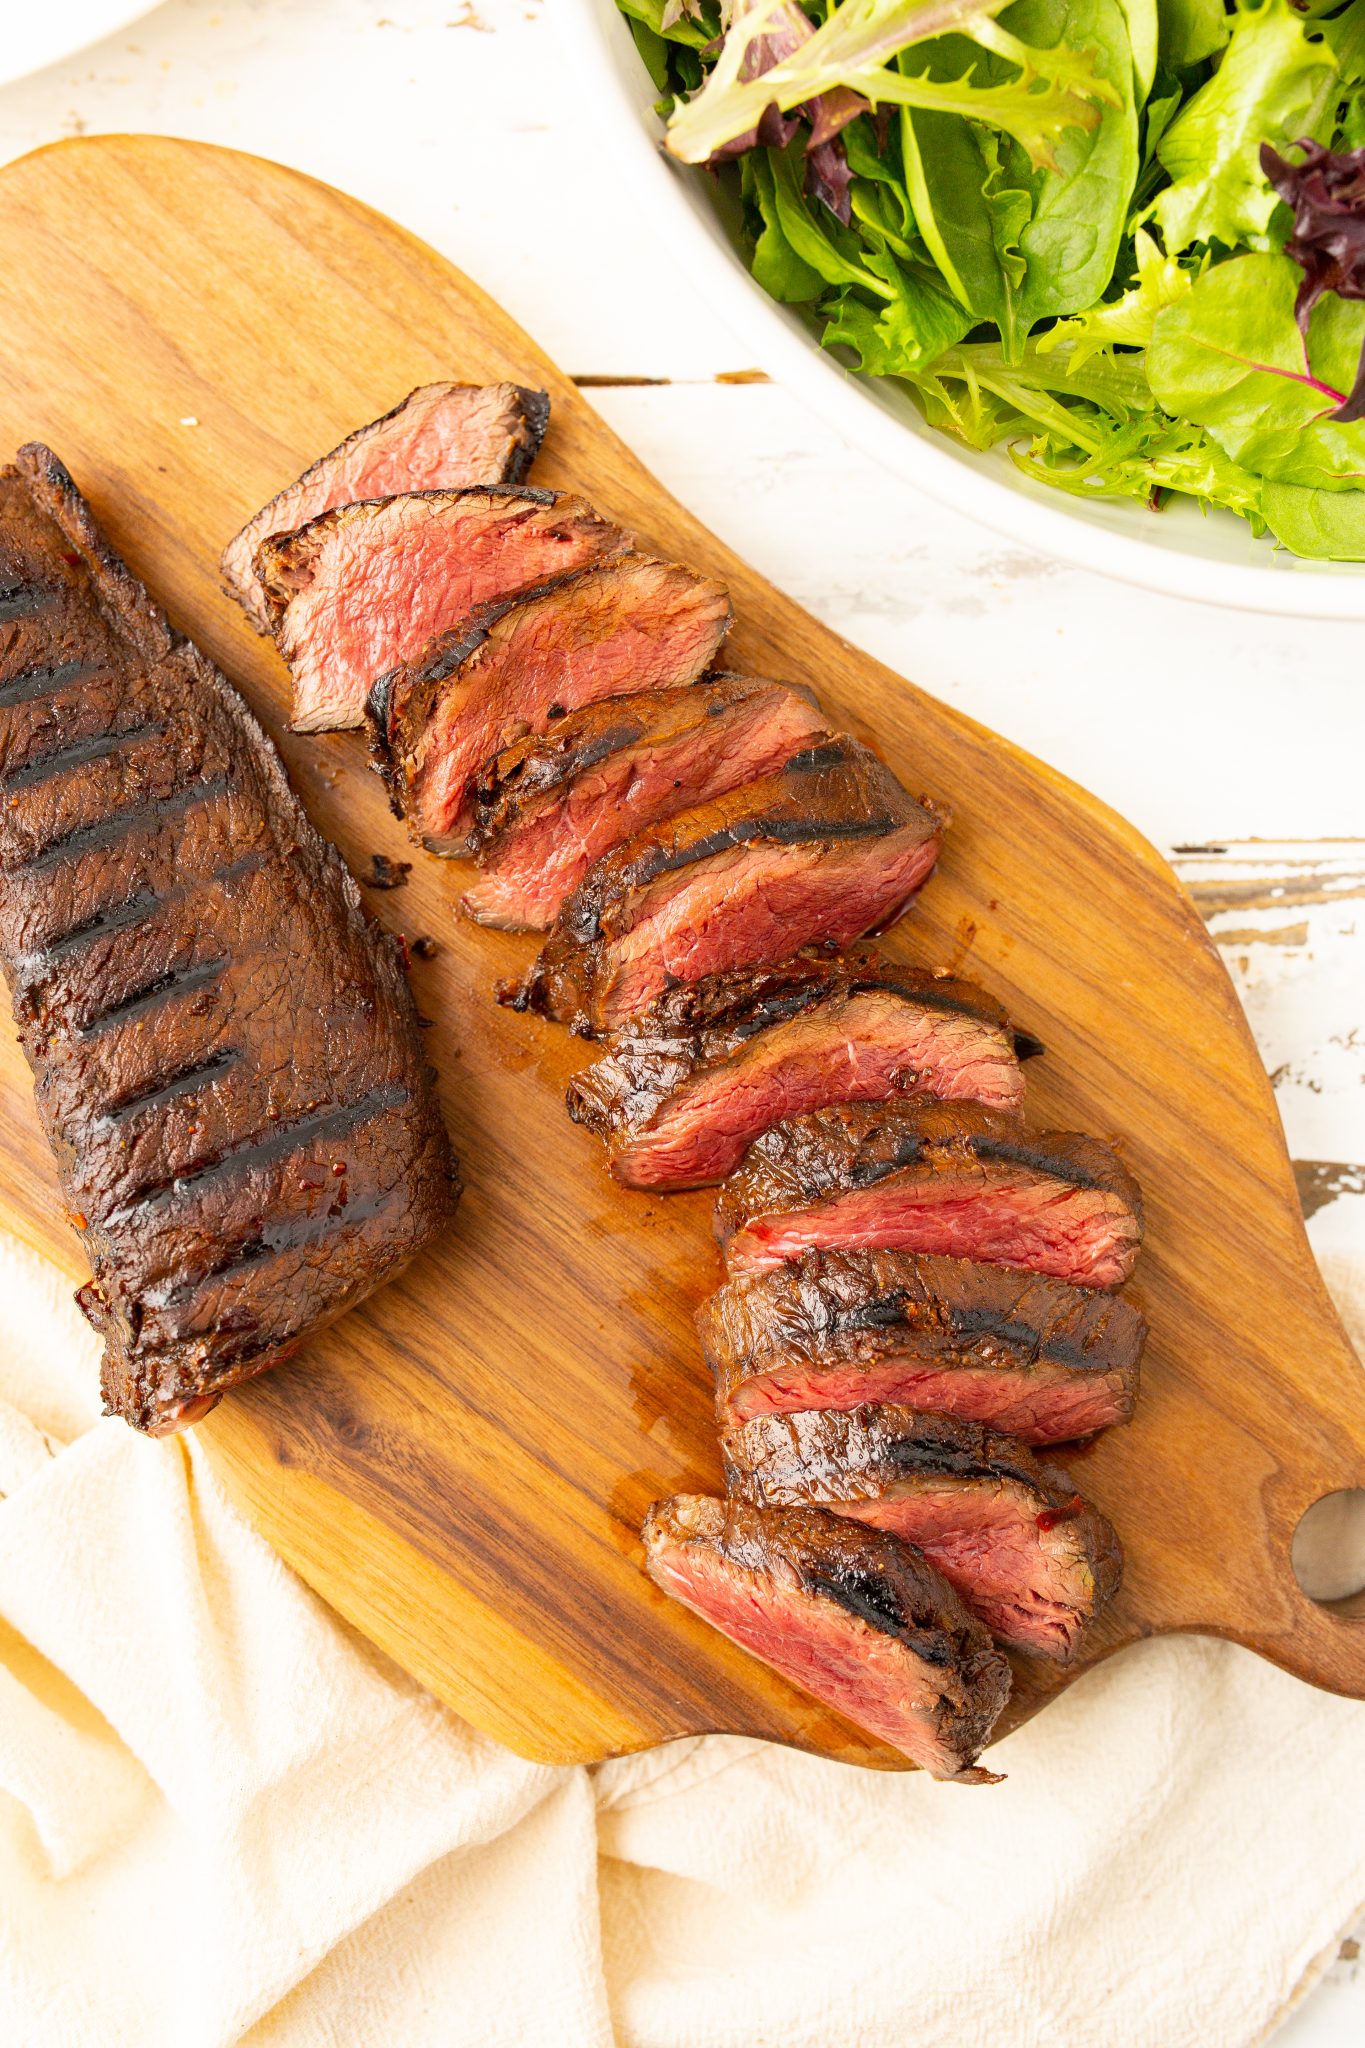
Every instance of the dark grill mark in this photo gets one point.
(39, 682)
(121, 915)
(78, 754)
(254, 1151)
(177, 981)
(865, 1594)
(108, 831)
(182, 1083)
(21, 600)
(290, 1233)
(1038, 1162)
(888, 1313)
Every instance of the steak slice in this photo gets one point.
(679, 1106)
(631, 624)
(825, 851)
(442, 437)
(367, 586)
(550, 806)
(1014, 1539)
(852, 1615)
(227, 1060)
(950, 1178)
(838, 1329)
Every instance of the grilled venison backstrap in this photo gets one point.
(226, 1053)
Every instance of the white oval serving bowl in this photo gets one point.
(1212, 558)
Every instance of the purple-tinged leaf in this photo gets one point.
(1326, 193)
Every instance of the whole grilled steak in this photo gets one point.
(367, 586)
(551, 805)
(852, 1615)
(226, 1053)
(441, 437)
(825, 851)
(630, 624)
(950, 1178)
(837, 1329)
(1026, 1553)
(679, 1105)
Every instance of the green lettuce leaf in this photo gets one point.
(1229, 356)
(1143, 38)
(1324, 526)
(1190, 31)
(1266, 89)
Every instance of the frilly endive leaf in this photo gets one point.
(1055, 90)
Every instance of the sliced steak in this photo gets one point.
(837, 1329)
(950, 1178)
(827, 850)
(551, 805)
(442, 437)
(367, 586)
(512, 669)
(852, 1615)
(679, 1106)
(1026, 1553)
(226, 1053)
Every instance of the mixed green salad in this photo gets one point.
(1123, 238)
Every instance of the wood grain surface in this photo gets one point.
(460, 1467)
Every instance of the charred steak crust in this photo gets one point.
(1026, 1552)
(850, 1149)
(942, 1691)
(226, 1054)
(748, 1000)
(828, 1306)
(678, 1106)
(439, 435)
(826, 799)
(836, 1329)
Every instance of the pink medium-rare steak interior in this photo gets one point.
(952, 1179)
(825, 850)
(441, 437)
(756, 903)
(855, 1617)
(627, 625)
(1042, 1404)
(681, 1112)
(833, 1330)
(620, 767)
(367, 586)
(1028, 1555)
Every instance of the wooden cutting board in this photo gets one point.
(460, 1467)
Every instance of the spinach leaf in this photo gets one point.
(1018, 245)
(1265, 90)
(1324, 526)
(778, 265)
(1229, 356)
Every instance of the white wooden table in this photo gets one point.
(1235, 742)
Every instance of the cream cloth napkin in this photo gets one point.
(223, 1818)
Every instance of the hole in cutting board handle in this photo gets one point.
(1328, 1551)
